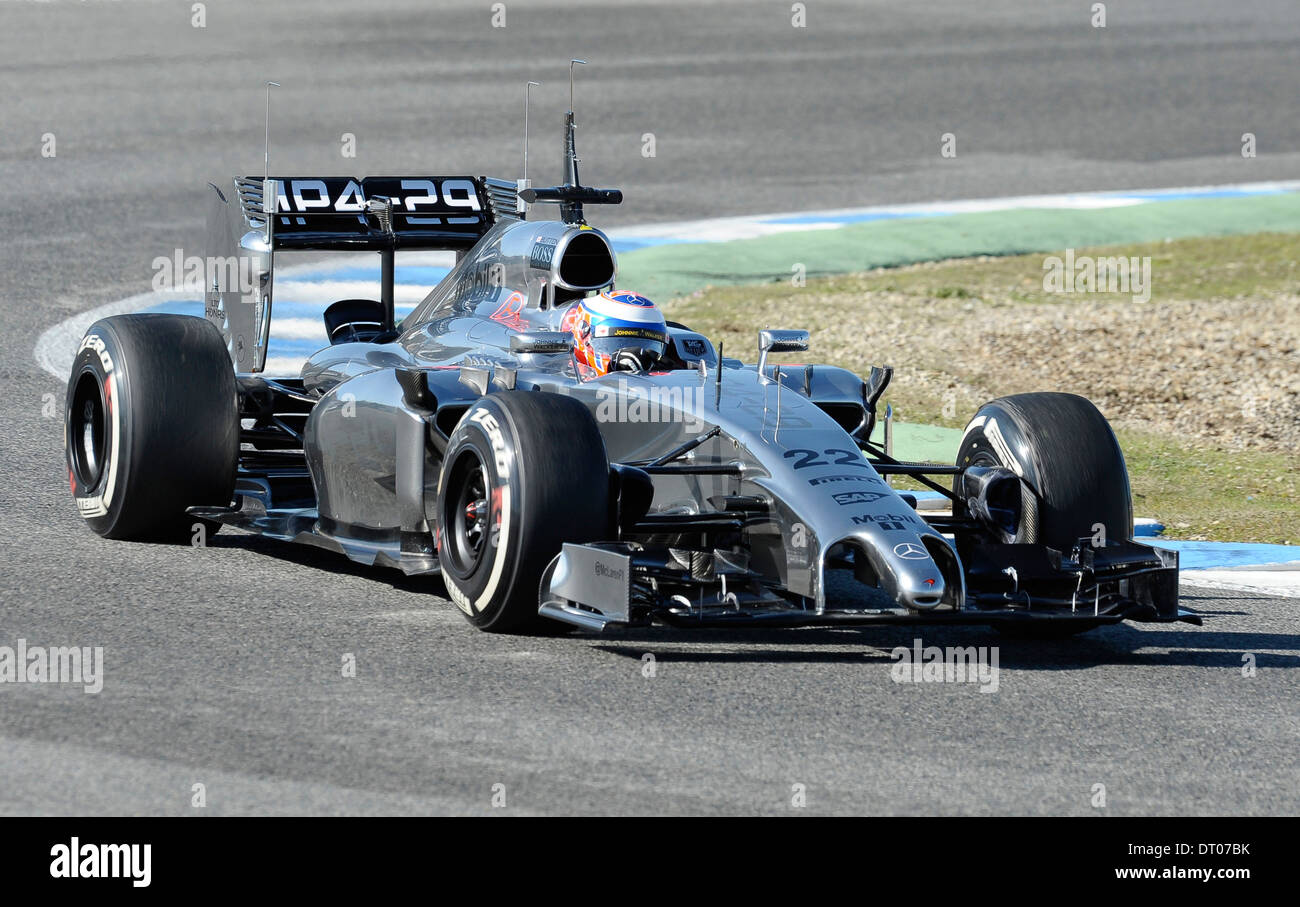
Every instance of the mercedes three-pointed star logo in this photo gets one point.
(910, 551)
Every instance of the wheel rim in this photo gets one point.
(467, 514)
(89, 430)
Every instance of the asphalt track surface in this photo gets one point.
(223, 663)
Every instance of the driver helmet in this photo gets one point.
(616, 331)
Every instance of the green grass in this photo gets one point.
(1200, 492)
(1197, 489)
(664, 271)
(1221, 267)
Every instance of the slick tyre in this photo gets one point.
(1075, 480)
(150, 425)
(524, 472)
(1065, 451)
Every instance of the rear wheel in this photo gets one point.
(524, 472)
(1075, 483)
(151, 425)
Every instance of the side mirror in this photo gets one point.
(873, 388)
(541, 342)
(779, 342)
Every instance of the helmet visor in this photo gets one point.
(645, 343)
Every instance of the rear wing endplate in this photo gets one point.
(377, 213)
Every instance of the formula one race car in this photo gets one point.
(556, 450)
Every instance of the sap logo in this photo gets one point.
(845, 498)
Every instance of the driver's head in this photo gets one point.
(616, 331)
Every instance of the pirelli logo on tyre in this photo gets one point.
(492, 428)
(94, 342)
(460, 598)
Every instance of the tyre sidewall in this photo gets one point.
(487, 432)
(547, 481)
(100, 356)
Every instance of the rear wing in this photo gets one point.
(337, 213)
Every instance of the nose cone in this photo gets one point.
(919, 582)
(922, 591)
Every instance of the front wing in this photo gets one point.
(620, 584)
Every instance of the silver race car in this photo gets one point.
(557, 451)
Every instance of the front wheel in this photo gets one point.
(1068, 459)
(524, 472)
(1074, 483)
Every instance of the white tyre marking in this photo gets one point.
(460, 598)
(999, 444)
(113, 459)
(499, 565)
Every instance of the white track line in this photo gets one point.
(721, 229)
(1272, 579)
(56, 345)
